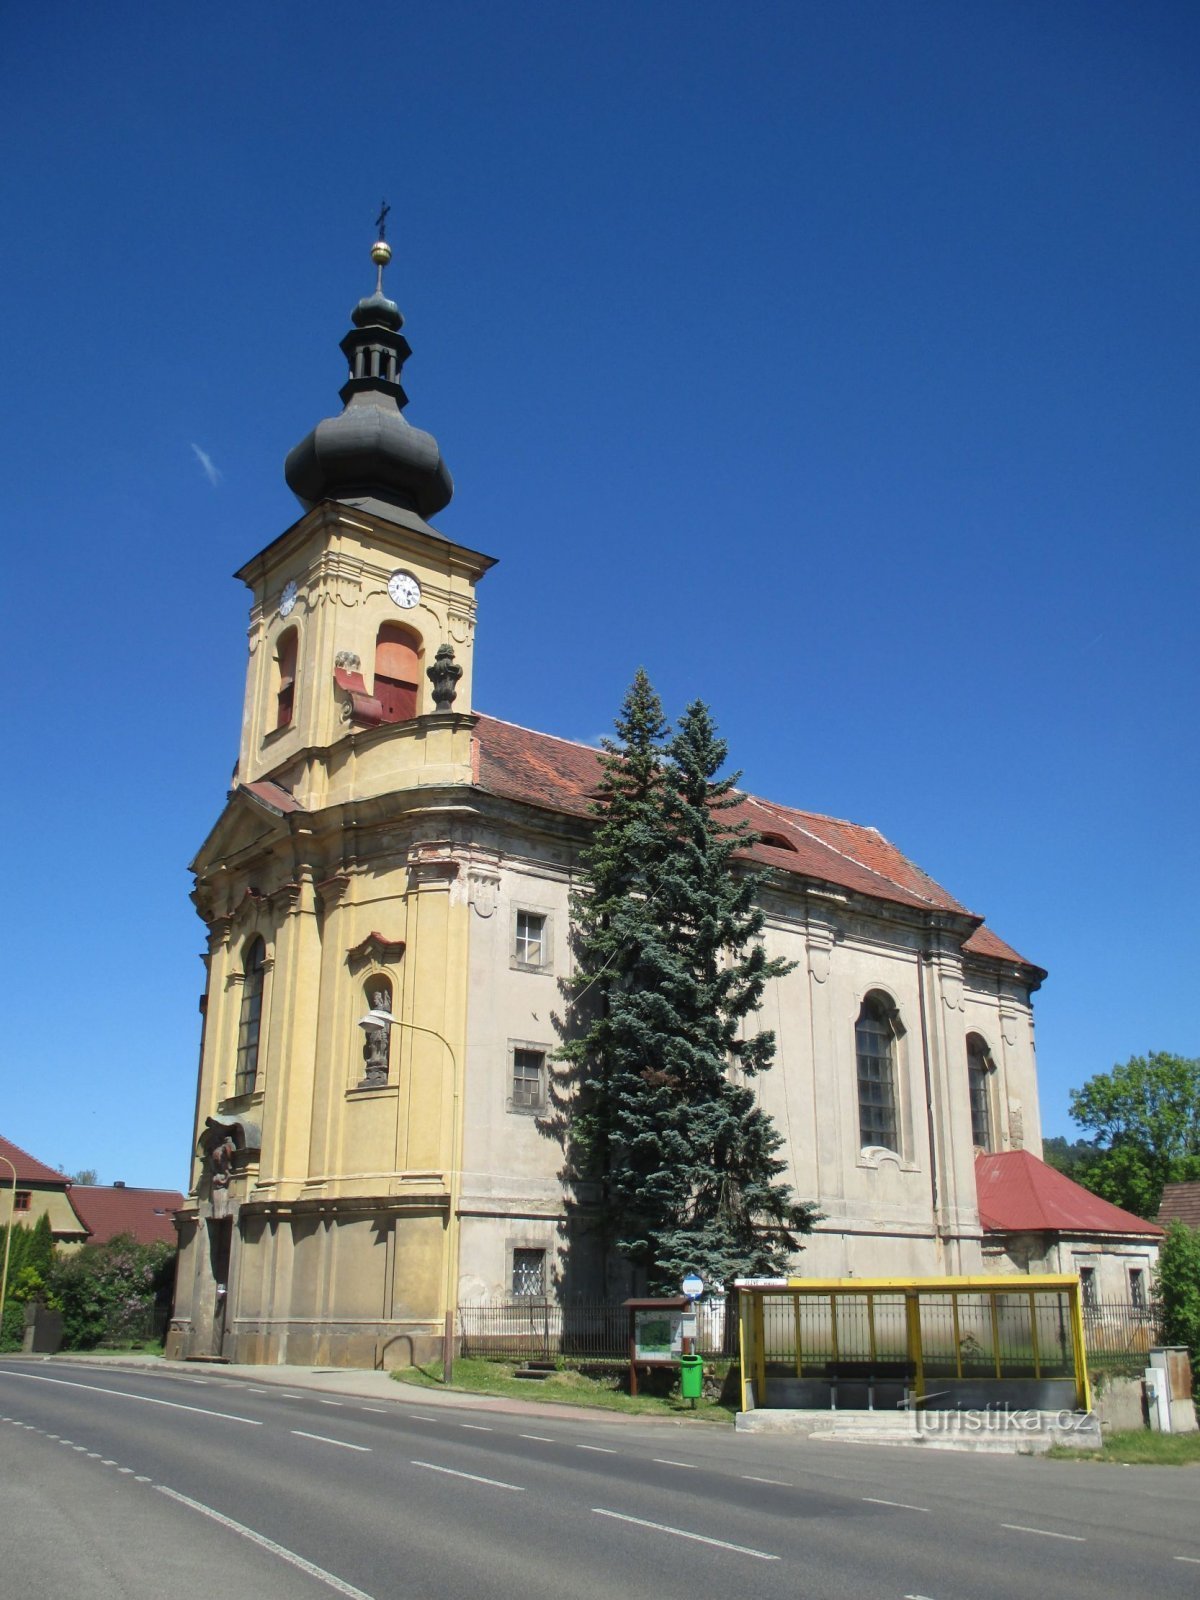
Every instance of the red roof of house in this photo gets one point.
(541, 770)
(1181, 1203)
(107, 1211)
(1020, 1194)
(29, 1168)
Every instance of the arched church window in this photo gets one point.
(250, 1020)
(980, 1068)
(397, 671)
(875, 1034)
(285, 667)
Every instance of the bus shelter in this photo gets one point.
(943, 1344)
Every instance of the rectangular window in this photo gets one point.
(1137, 1288)
(23, 1200)
(528, 1080)
(529, 1274)
(530, 948)
(876, 1086)
(1087, 1278)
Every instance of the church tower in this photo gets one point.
(321, 1223)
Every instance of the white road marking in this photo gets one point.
(540, 1437)
(321, 1439)
(475, 1427)
(253, 1390)
(145, 1399)
(600, 1449)
(900, 1505)
(663, 1462)
(140, 1479)
(1046, 1533)
(419, 1416)
(380, 1411)
(916, 1597)
(284, 1554)
(128, 1471)
(286, 1394)
(107, 1463)
(1194, 1560)
(329, 1402)
(473, 1476)
(779, 1482)
(683, 1533)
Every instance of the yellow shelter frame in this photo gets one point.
(954, 1329)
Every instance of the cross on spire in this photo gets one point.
(381, 219)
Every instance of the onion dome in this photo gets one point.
(370, 455)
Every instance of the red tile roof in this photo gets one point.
(541, 770)
(107, 1211)
(272, 795)
(29, 1169)
(1181, 1203)
(1020, 1194)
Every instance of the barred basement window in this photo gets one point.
(529, 1274)
(1137, 1288)
(874, 1042)
(1087, 1280)
(250, 1021)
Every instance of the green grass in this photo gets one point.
(1140, 1448)
(565, 1387)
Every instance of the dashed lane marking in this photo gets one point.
(1046, 1533)
(780, 1483)
(1192, 1560)
(474, 1477)
(322, 1439)
(541, 1438)
(600, 1449)
(380, 1411)
(685, 1533)
(284, 1554)
(475, 1427)
(899, 1505)
(329, 1402)
(662, 1461)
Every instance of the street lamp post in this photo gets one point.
(384, 1019)
(12, 1217)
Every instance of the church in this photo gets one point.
(386, 899)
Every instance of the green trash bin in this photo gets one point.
(691, 1377)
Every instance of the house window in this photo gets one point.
(1137, 1288)
(1087, 1280)
(529, 1274)
(980, 1067)
(397, 672)
(285, 663)
(250, 1020)
(530, 946)
(22, 1200)
(875, 1036)
(528, 1079)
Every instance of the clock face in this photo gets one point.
(404, 590)
(288, 598)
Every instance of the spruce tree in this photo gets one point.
(669, 946)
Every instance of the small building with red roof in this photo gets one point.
(29, 1190)
(110, 1210)
(1036, 1219)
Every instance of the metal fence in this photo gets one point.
(1119, 1337)
(528, 1328)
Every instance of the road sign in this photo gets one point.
(692, 1286)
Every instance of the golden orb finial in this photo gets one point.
(381, 252)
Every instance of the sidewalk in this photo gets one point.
(356, 1383)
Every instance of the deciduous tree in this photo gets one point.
(1144, 1122)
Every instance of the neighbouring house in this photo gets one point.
(1180, 1203)
(386, 900)
(110, 1210)
(1036, 1219)
(38, 1191)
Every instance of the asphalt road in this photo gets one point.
(122, 1484)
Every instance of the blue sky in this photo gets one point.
(837, 362)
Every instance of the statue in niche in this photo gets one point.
(220, 1158)
(377, 1042)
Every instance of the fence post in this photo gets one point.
(448, 1349)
